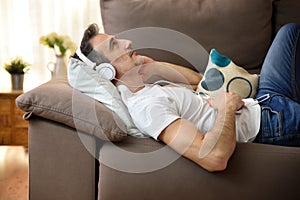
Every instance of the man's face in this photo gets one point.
(118, 51)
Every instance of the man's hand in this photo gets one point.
(147, 59)
(149, 68)
(226, 100)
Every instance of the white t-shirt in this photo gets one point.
(154, 108)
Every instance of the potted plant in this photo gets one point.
(61, 44)
(17, 67)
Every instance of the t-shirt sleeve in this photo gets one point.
(152, 115)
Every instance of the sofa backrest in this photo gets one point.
(242, 30)
(285, 11)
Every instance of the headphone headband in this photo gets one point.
(106, 70)
(84, 58)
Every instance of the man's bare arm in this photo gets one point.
(181, 74)
(171, 72)
(212, 150)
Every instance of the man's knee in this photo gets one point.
(289, 28)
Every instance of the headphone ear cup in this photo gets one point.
(106, 70)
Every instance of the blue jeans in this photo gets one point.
(280, 80)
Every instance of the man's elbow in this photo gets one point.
(216, 161)
(215, 166)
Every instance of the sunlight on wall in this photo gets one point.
(25, 21)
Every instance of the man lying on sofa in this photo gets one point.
(203, 130)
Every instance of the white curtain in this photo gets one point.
(23, 22)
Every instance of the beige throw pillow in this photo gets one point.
(56, 100)
(222, 74)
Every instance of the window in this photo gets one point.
(23, 22)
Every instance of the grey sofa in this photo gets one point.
(84, 154)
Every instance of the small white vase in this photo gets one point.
(59, 68)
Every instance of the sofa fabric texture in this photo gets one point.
(285, 11)
(254, 172)
(229, 25)
(60, 166)
(58, 101)
(242, 30)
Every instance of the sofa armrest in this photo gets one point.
(60, 165)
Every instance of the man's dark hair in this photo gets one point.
(86, 47)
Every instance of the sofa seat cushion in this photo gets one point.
(240, 29)
(150, 171)
(58, 101)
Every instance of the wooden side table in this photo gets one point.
(13, 128)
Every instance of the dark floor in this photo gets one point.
(13, 173)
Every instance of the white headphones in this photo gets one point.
(106, 70)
